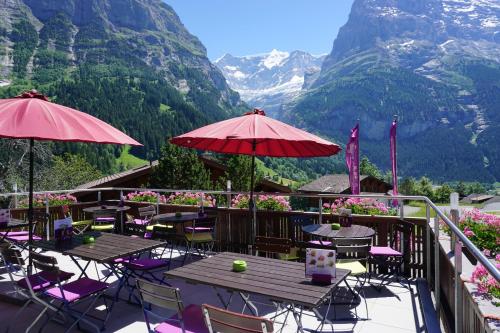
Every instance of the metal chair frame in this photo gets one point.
(220, 320)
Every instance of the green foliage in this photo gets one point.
(68, 172)
(368, 168)
(239, 171)
(25, 38)
(180, 168)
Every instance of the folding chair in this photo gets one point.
(145, 214)
(31, 286)
(220, 320)
(353, 255)
(104, 220)
(200, 236)
(79, 227)
(21, 238)
(186, 320)
(273, 247)
(69, 295)
(299, 221)
(392, 257)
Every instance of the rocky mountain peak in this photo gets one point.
(266, 80)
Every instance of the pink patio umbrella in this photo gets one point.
(256, 135)
(31, 116)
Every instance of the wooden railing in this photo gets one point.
(234, 227)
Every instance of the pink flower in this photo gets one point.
(468, 232)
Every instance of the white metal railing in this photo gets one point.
(458, 238)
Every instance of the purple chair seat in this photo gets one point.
(384, 251)
(145, 264)
(105, 219)
(22, 238)
(14, 233)
(197, 229)
(140, 221)
(76, 290)
(193, 322)
(317, 242)
(43, 280)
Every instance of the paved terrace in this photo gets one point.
(393, 309)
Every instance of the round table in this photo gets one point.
(172, 218)
(117, 208)
(325, 230)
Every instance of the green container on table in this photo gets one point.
(335, 226)
(88, 239)
(239, 265)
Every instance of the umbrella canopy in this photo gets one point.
(256, 134)
(31, 116)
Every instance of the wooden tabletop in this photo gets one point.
(170, 217)
(117, 208)
(325, 230)
(14, 223)
(106, 247)
(277, 279)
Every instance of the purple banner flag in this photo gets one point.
(352, 159)
(394, 160)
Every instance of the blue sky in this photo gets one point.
(244, 27)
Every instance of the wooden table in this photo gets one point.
(281, 281)
(106, 247)
(325, 230)
(171, 218)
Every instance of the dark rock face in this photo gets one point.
(432, 62)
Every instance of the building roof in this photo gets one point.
(337, 183)
(477, 198)
(211, 163)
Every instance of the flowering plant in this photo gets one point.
(54, 200)
(364, 206)
(263, 202)
(482, 229)
(192, 199)
(486, 284)
(146, 196)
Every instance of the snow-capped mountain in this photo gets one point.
(266, 80)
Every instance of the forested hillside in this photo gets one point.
(132, 64)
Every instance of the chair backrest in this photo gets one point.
(272, 245)
(201, 224)
(104, 213)
(44, 263)
(164, 233)
(161, 296)
(219, 320)
(352, 248)
(11, 256)
(401, 228)
(296, 223)
(134, 229)
(147, 212)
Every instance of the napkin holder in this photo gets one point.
(321, 279)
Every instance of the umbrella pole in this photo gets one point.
(251, 203)
(30, 204)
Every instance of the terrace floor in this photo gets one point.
(393, 309)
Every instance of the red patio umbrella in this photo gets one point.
(31, 116)
(256, 135)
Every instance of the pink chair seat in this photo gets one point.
(145, 264)
(14, 233)
(76, 290)
(197, 229)
(105, 219)
(22, 238)
(43, 280)
(317, 242)
(384, 251)
(193, 322)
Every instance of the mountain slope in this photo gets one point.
(131, 63)
(434, 63)
(268, 80)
